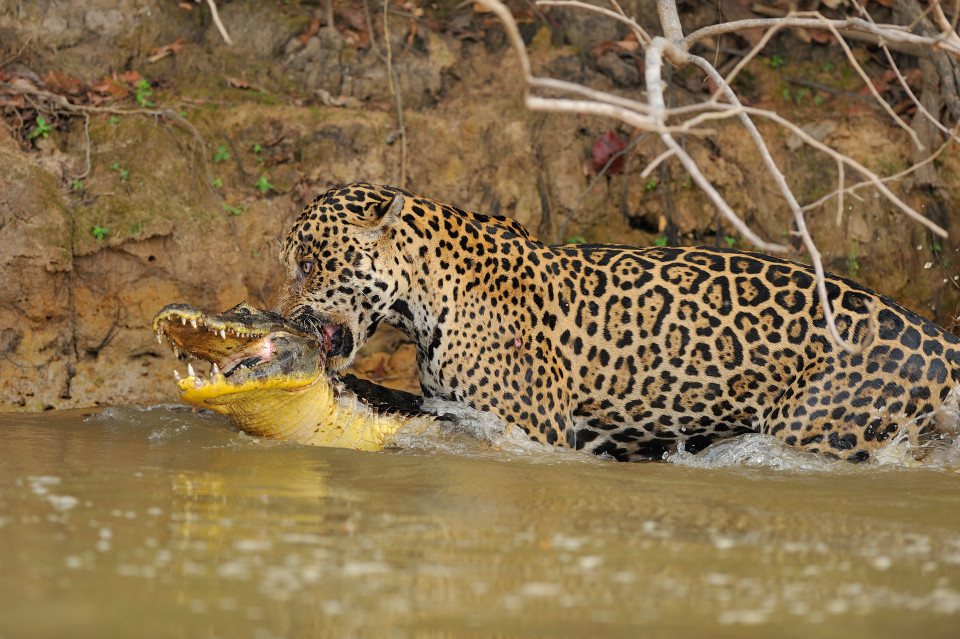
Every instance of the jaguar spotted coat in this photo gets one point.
(613, 349)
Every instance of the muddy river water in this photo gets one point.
(160, 523)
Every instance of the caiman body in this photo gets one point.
(268, 378)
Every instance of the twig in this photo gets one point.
(394, 83)
(855, 28)
(16, 55)
(642, 36)
(873, 89)
(653, 63)
(236, 154)
(216, 21)
(726, 111)
(395, 87)
(819, 86)
(890, 178)
(798, 217)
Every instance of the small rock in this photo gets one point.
(817, 131)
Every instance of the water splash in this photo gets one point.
(165, 421)
(474, 433)
(756, 451)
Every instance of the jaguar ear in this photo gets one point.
(388, 215)
(392, 216)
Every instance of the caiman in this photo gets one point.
(268, 378)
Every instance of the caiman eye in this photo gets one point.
(305, 267)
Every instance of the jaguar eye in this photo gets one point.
(306, 266)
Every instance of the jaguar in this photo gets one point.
(616, 350)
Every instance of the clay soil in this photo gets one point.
(184, 165)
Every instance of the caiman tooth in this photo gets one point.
(176, 352)
(216, 369)
(197, 383)
(183, 320)
(177, 375)
(223, 334)
(193, 323)
(159, 338)
(190, 371)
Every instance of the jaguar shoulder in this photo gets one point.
(613, 349)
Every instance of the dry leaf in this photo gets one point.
(22, 83)
(240, 84)
(628, 44)
(17, 101)
(352, 19)
(168, 49)
(130, 77)
(600, 48)
(820, 36)
(63, 83)
(605, 148)
(111, 87)
(312, 29)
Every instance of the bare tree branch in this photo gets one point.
(653, 115)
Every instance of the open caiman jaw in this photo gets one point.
(240, 346)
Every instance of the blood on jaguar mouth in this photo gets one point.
(335, 333)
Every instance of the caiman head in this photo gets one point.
(256, 357)
(268, 377)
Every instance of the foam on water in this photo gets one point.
(474, 433)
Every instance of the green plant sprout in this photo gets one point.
(729, 240)
(99, 232)
(221, 155)
(263, 184)
(776, 62)
(660, 241)
(113, 120)
(77, 185)
(217, 182)
(853, 265)
(650, 185)
(42, 128)
(143, 92)
(577, 239)
(124, 173)
(231, 210)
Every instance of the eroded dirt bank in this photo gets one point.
(200, 159)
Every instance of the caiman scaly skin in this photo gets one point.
(268, 378)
